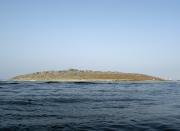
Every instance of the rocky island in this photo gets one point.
(83, 75)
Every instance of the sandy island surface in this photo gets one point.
(83, 75)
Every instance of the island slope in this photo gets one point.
(83, 75)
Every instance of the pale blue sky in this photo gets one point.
(121, 35)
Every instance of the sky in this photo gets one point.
(141, 36)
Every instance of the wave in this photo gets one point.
(91, 100)
(17, 102)
(132, 125)
(9, 83)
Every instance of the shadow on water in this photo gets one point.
(79, 82)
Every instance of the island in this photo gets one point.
(83, 75)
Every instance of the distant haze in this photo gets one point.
(140, 36)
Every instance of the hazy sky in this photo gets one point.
(121, 35)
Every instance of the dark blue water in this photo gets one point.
(121, 106)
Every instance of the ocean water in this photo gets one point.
(86, 106)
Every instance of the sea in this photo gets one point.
(90, 106)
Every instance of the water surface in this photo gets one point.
(126, 106)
